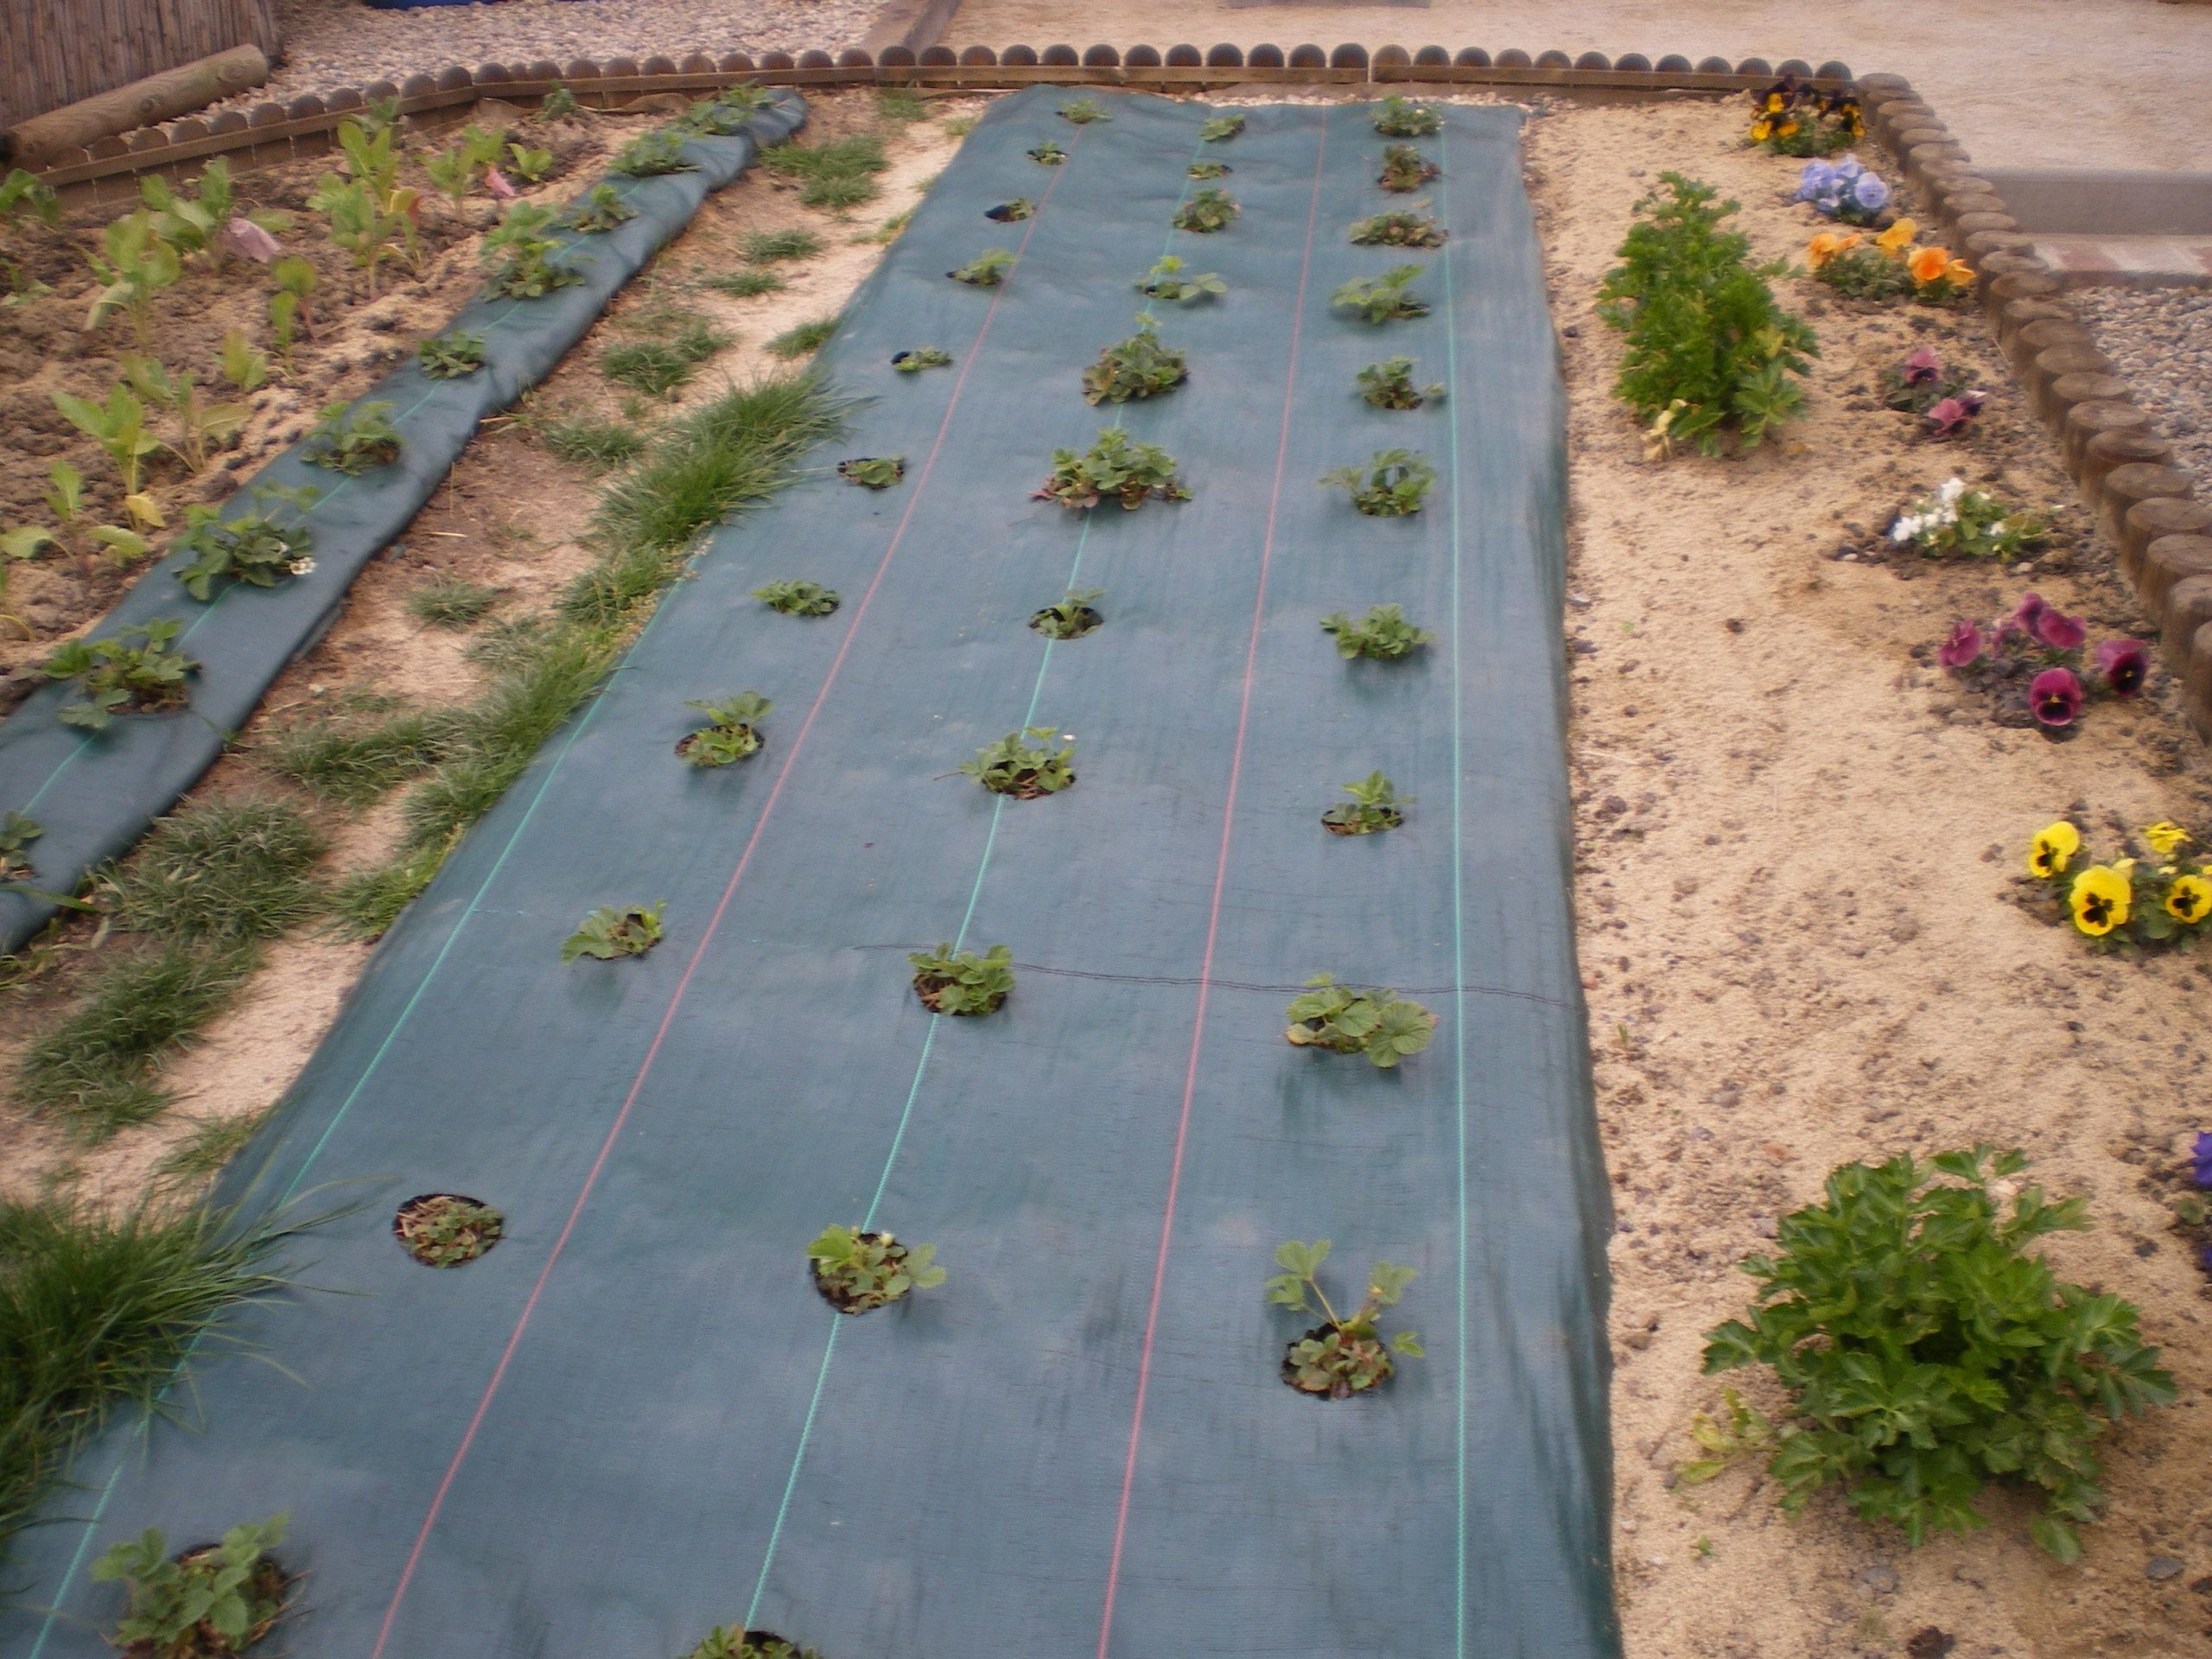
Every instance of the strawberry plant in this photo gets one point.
(519, 254)
(1137, 367)
(726, 113)
(722, 1644)
(651, 154)
(1400, 118)
(598, 209)
(1202, 170)
(987, 269)
(1381, 299)
(17, 831)
(1405, 168)
(1206, 211)
(1166, 280)
(1083, 111)
(443, 1229)
(1048, 153)
(1393, 484)
(1374, 805)
(1070, 618)
(448, 357)
(208, 1603)
(611, 932)
(1340, 1357)
(796, 598)
(1116, 466)
(1383, 634)
(1402, 227)
(857, 1272)
(873, 472)
(962, 982)
(731, 731)
(1009, 213)
(1390, 384)
(353, 438)
(1015, 765)
(1380, 1024)
(922, 356)
(1221, 128)
(1927, 1355)
(251, 548)
(134, 671)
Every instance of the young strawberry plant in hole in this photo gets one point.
(1392, 485)
(1958, 523)
(1340, 1357)
(1403, 227)
(1166, 280)
(1346, 1020)
(613, 930)
(857, 1272)
(731, 731)
(450, 357)
(1927, 1355)
(1202, 170)
(17, 831)
(1405, 168)
(1376, 804)
(1070, 618)
(1206, 210)
(1221, 128)
(797, 598)
(1007, 213)
(875, 471)
(650, 155)
(1048, 153)
(920, 357)
(722, 1644)
(962, 982)
(1137, 367)
(1390, 384)
(1381, 299)
(519, 254)
(1383, 634)
(351, 438)
(1400, 118)
(443, 1229)
(987, 269)
(208, 1603)
(1084, 111)
(1015, 766)
(251, 548)
(724, 115)
(598, 210)
(1116, 466)
(134, 671)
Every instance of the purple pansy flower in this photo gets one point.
(1923, 367)
(1963, 647)
(2054, 697)
(1814, 180)
(2124, 665)
(1869, 192)
(242, 235)
(2202, 1155)
(1949, 416)
(2059, 631)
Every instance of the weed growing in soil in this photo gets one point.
(1374, 805)
(450, 357)
(353, 761)
(598, 210)
(1017, 765)
(1166, 280)
(1070, 618)
(1405, 168)
(1404, 227)
(769, 247)
(134, 671)
(987, 269)
(1343, 1357)
(1221, 128)
(857, 1272)
(351, 438)
(837, 173)
(448, 602)
(559, 104)
(745, 284)
(1137, 367)
(666, 363)
(2155, 898)
(1927, 1354)
(205, 1604)
(922, 356)
(1400, 118)
(442, 1229)
(1084, 111)
(1957, 523)
(731, 731)
(1390, 384)
(1383, 634)
(251, 548)
(962, 982)
(1202, 170)
(1392, 485)
(1381, 299)
(875, 471)
(1206, 211)
(1116, 466)
(802, 339)
(614, 932)
(651, 154)
(1380, 1024)
(222, 870)
(1048, 153)
(583, 441)
(369, 901)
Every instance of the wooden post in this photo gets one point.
(173, 92)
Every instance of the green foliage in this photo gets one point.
(1380, 1024)
(139, 263)
(1116, 466)
(613, 930)
(860, 1271)
(218, 1600)
(372, 214)
(1348, 1356)
(768, 247)
(1927, 1354)
(1746, 1432)
(586, 442)
(290, 313)
(598, 210)
(962, 982)
(837, 174)
(1221, 128)
(454, 172)
(1137, 367)
(74, 531)
(1084, 111)
(1383, 634)
(450, 601)
(1048, 153)
(520, 255)
(1011, 213)
(1381, 299)
(353, 760)
(901, 104)
(20, 190)
(669, 360)
(221, 869)
(1400, 117)
(195, 223)
(450, 357)
(1393, 484)
(17, 831)
(558, 105)
(118, 426)
(251, 548)
(133, 670)
(922, 356)
(652, 154)
(1710, 353)
(987, 269)
(1401, 227)
(725, 114)
(797, 598)
(351, 438)
(199, 425)
(444, 1231)
(802, 338)
(745, 284)
(1070, 618)
(1203, 170)
(1205, 211)
(731, 731)
(1405, 168)
(875, 471)
(1390, 384)
(369, 901)
(722, 1644)
(1866, 273)
(1166, 280)
(243, 366)
(1016, 765)
(1374, 805)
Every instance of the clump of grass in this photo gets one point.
(807, 337)
(212, 1144)
(745, 284)
(352, 761)
(767, 247)
(234, 869)
(582, 442)
(667, 362)
(450, 601)
(369, 901)
(901, 104)
(836, 174)
(958, 126)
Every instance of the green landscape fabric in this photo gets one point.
(635, 1419)
(93, 794)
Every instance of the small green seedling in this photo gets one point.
(1400, 118)
(450, 357)
(244, 367)
(19, 190)
(962, 982)
(650, 155)
(1402, 227)
(1166, 280)
(443, 1229)
(200, 425)
(140, 262)
(1344, 1356)
(559, 104)
(922, 356)
(251, 548)
(290, 314)
(1137, 367)
(1048, 153)
(75, 533)
(1381, 299)
(454, 172)
(611, 931)
(536, 166)
(134, 671)
(17, 831)
(797, 598)
(1221, 128)
(1374, 805)
(210, 1601)
(1393, 484)
(118, 426)
(1748, 1432)
(724, 1643)
(1206, 211)
(1084, 111)
(520, 255)
(1011, 213)
(987, 269)
(598, 210)
(857, 1271)
(1116, 466)
(875, 471)
(1390, 384)
(353, 438)
(1015, 766)
(1070, 618)
(1346, 1020)
(1405, 168)
(1383, 633)
(1202, 170)
(731, 731)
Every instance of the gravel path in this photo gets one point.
(332, 43)
(2162, 339)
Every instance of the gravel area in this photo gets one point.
(2161, 338)
(333, 43)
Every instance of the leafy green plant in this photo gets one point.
(75, 533)
(536, 166)
(1116, 466)
(1747, 1431)
(1166, 280)
(598, 209)
(351, 438)
(139, 261)
(372, 214)
(250, 547)
(1927, 1355)
(922, 356)
(1381, 299)
(1203, 170)
(962, 982)
(197, 223)
(443, 1229)
(858, 1271)
(1048, 153)
(118, 426)
(1221, 128)
(17, 831)
(1374, 805)
(901, 104)
(1018, 766)
(450, 602)
(837, 174)
(243, 366)
(652, 154)
(290, 311)
(1070, 618)
(875, 471)
(722, 1644)
(200, 424)
(1390, 384)
(987, 269)
(1084, 111)
(731, 731)
(1380, 1024)
(1342, 1356)
(725, 114)
(450, 357)
(519, 254)
(21, 189)
(558, 104)
(208, 1602)
(804, 338)
(1205, 211)
(1710, 354)
(1137, 367)
(613, 930)
(1401, 227)
(667, 361)
(1959, 522)
(1400, 117)
(134, 671)
(1392, 485)
(455, 173)
(797, 598)
(1383, 634)
(768, 247)
(1405, 168)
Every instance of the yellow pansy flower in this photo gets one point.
(1762, 130)
(1898, 237)
(2099, 899)
(2189, 898)
(1828, 244)
(1959, 274)
(2053, 849)
(2164, 836)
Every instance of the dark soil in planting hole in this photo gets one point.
(932, 989)
(1085, 620)
(1391, 819)
(838, 1299)
(414, 1224)
(1290, 1367)
(266, 1591)
(1008, 212)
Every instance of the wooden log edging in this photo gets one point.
(2123, 469)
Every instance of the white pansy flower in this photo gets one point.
(303, 567)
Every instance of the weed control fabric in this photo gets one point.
(94, 793)
(634, 1418)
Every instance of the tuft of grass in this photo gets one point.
(959, 126)
(766, 247)
(807, 337)
(660, 365)
(601, 445)
(212, 1144)
(449, 602)
(835, 174)
(888, 232)
(745, 284)
(353, 761)
(221, 869)
(369, 901)
(901, 104)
